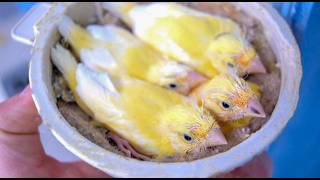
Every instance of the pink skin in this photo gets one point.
(21, 152)
(191, 81)
(256, 108)
(195, 79)
(22, 155)
(125, 147)
(215, 137)
(259, 167)
(256, 66)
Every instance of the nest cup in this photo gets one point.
(280, 38)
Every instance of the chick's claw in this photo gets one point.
(124, 146)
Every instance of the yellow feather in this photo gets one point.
(209, 44)
(153, 119)
(205, 42)
(114, 50)
(200, 35)
(227, 127)
(230, 90)
(256, 88)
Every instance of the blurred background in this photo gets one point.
(296, 153)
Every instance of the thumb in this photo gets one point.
(18, 115)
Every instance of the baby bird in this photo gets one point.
(210, 44)
(157, 122)
(238, 111)
(228, 126)
(230, 98)
(118, 52)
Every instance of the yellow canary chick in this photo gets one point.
(210, 44)
(116, 51)
(156, 121)
(229, 126)
(230, 98)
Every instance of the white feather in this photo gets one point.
(63, 60)
(99, 59)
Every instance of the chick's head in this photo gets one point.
(249, 62)
(190, 127)
(176, 76)
(233, 53)
(229, 98)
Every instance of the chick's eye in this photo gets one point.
(231, 65)
(187, 137)
(225, 105)
(172, 86)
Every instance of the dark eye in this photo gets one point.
(187, 137)
(230, 65)
(245, 76)
(225, 105)
(172, 86)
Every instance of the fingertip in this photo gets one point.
(26, 94)
(26, 91)
(25, 97)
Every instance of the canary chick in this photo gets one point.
(210, 44)
(230, 98)
(157, 122)
(118, 52)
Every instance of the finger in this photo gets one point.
(19, 121)
(18, 152)
(18, 115)
(259, 167)
(80, 169)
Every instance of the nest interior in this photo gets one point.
(269, 83)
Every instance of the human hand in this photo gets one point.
(21, 152)
(259, 167)
(22, 155)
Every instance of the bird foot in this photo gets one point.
(126, 148)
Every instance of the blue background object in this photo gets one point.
(296, 153)
(24, 6)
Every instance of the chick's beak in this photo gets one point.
(190, 81)
(195, 79)
(256, 66)
(255, 108)
(215, 137)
